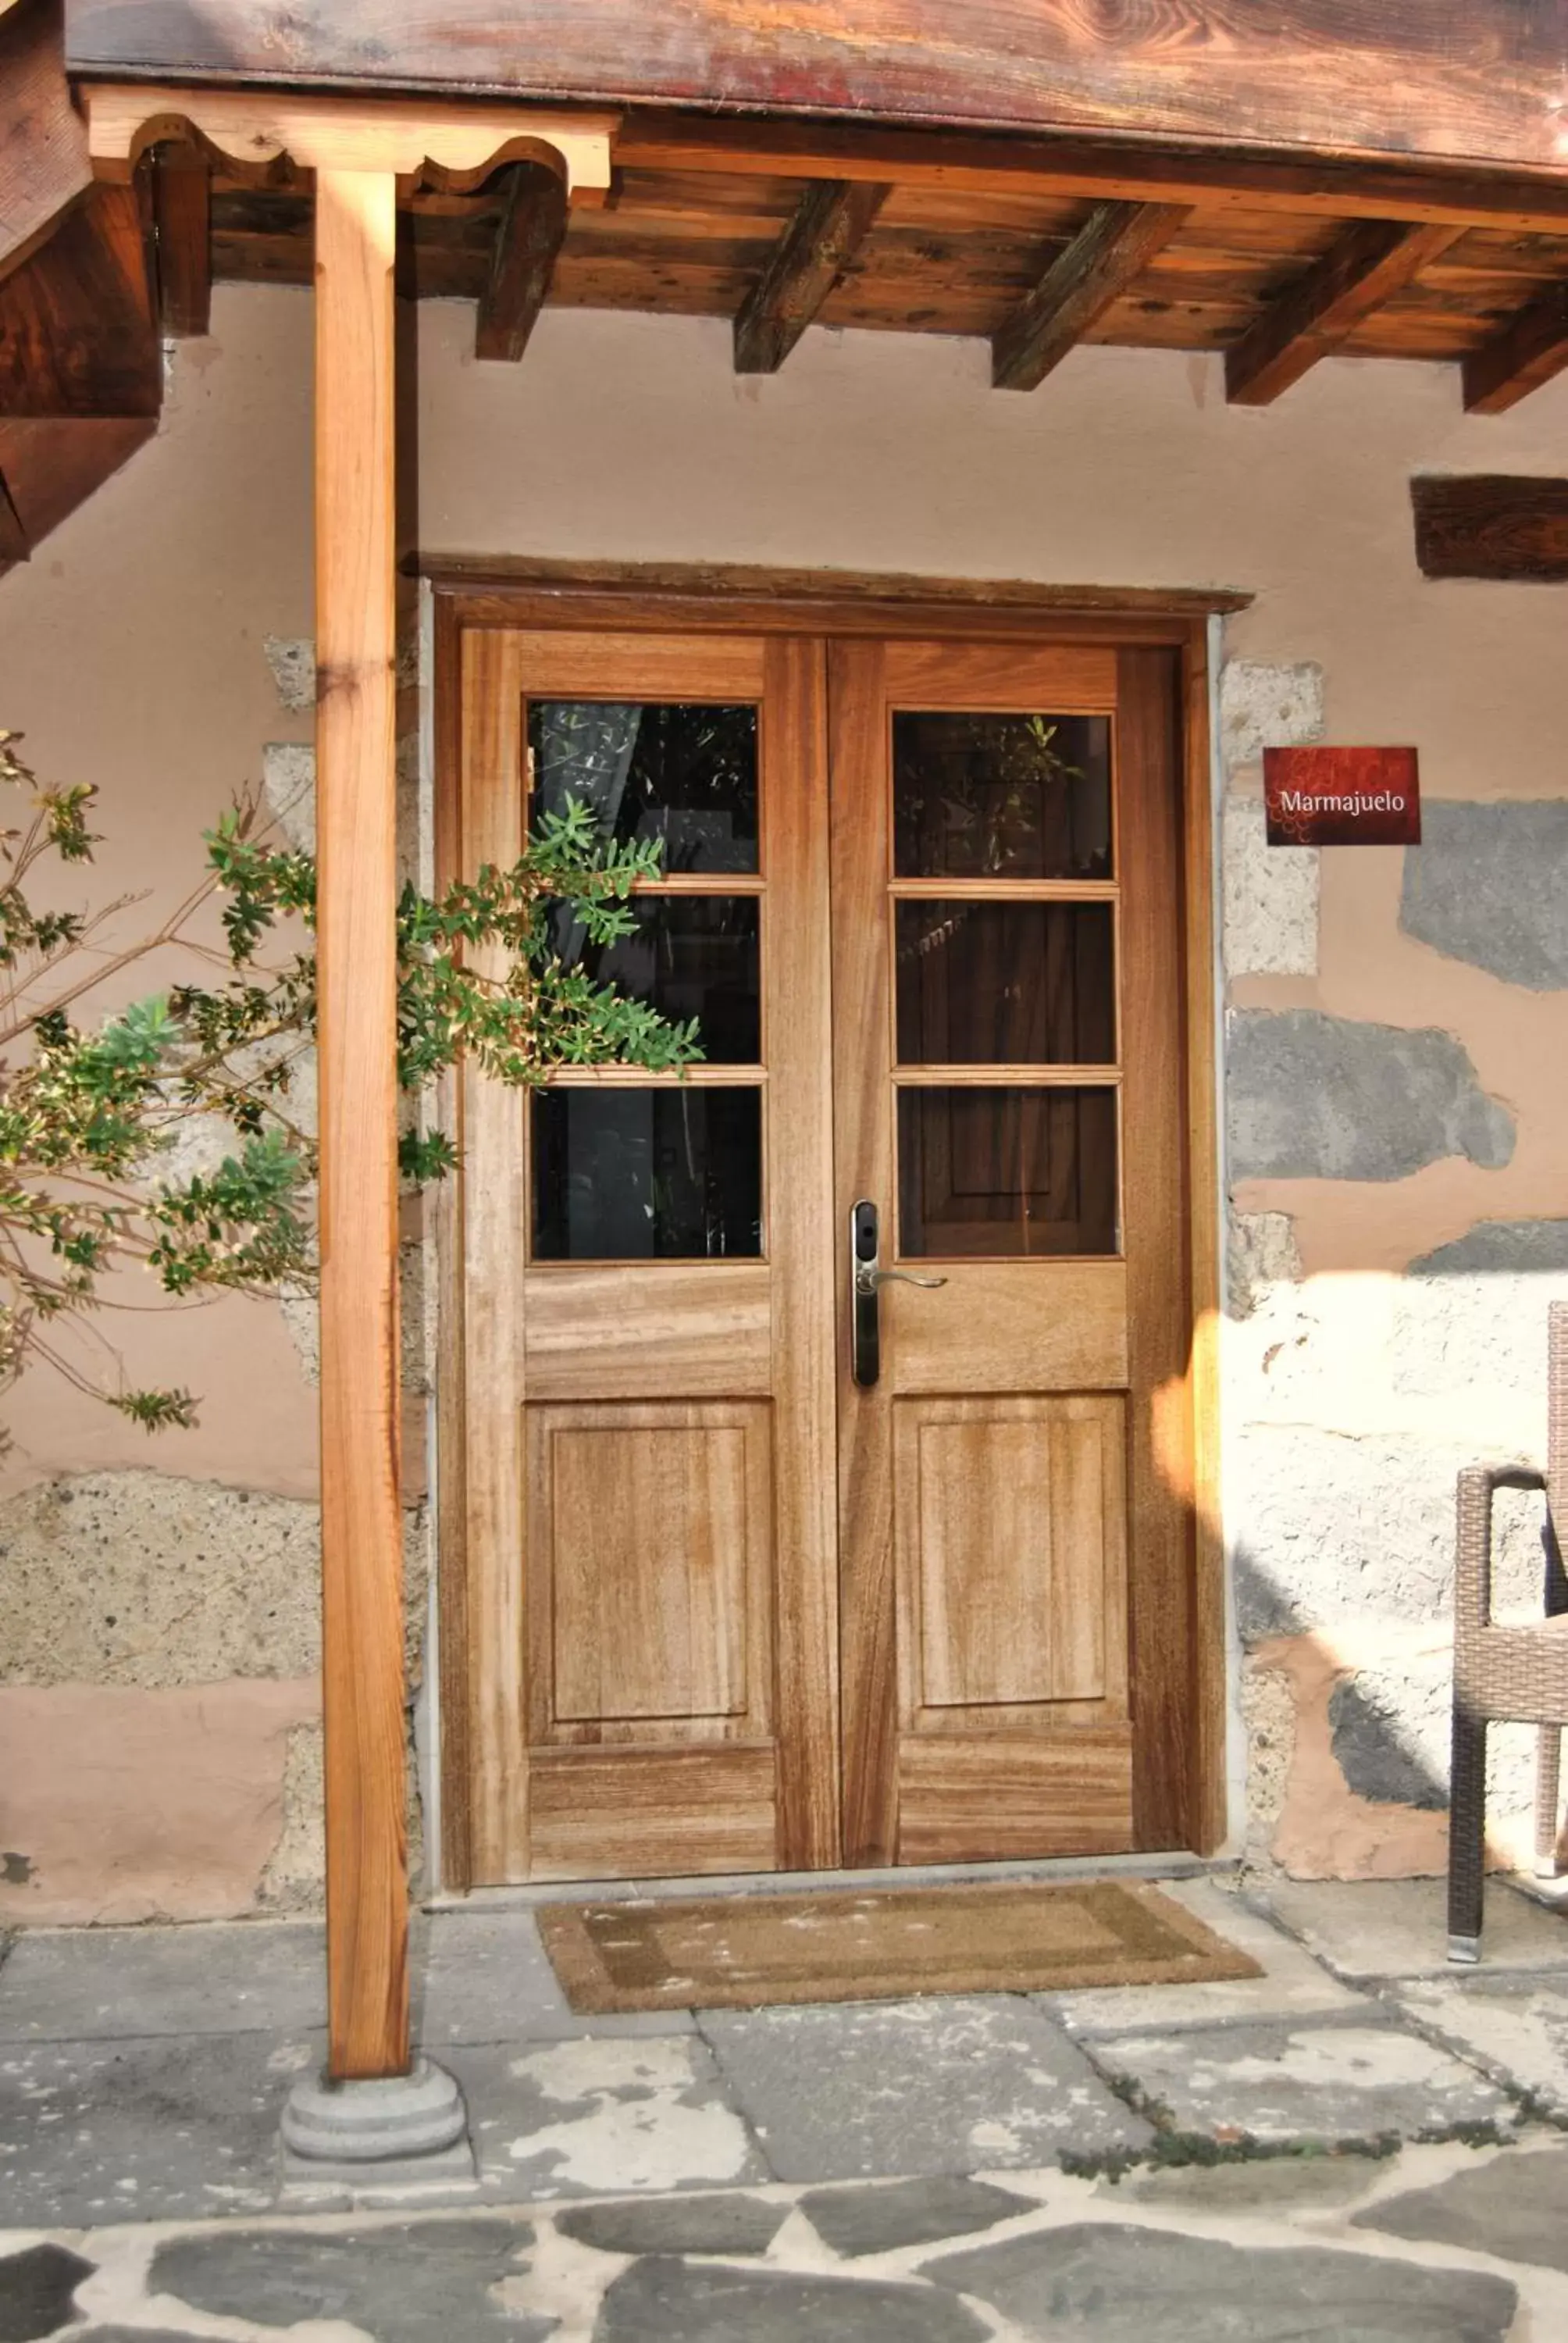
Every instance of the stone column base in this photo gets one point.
(387, 2136)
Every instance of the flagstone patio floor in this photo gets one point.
(1359, 2144)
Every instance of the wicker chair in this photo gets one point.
(1515, 1674)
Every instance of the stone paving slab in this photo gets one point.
(485, 1977)
(1420, 2264)
(83, 1984)
(1369, 1930)
(405, 2281)
(1292, 1984)
(150, 2130)
(898, 2213)
(1511, 2026)
(1326, 2081)
(36, 2287)
(600, 2116)
(729, 2223)
(1514, 2208)
(1105, 2283)
(841, 2092)
(1273, 2185)
(661, 2301)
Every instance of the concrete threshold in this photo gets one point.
(1170, 1864)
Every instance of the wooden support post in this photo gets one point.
(182, 209)
(361, 1516)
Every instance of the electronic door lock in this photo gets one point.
(867, 1279)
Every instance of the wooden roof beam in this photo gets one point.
(528, 237)
(182, 226)
(830, 225)
(1531, 348)
(1366, 266)
(1113, 246)
(973, 163)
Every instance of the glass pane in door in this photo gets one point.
(981, 795)
(692, 956)
(983, 982)
(646, 1174)
(998, 1172)
(682, 772)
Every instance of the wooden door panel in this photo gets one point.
(1011, 1558)
(987, 1797)
(651, 1541)
(630, 1813)
(695, 1327)
(1063, 676)
(1065, 1329)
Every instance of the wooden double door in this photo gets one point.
(811, 1509)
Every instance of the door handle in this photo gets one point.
(867, 1279)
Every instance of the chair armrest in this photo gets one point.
(1478, 1485)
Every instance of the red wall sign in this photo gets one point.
(1342, 797)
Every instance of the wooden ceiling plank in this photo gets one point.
(968, 163)
(830, 224)
(182, 218)
(1531, 349)
(528, 239)
(1370, 262)
(1115, 243)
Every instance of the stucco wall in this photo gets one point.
(132, 652)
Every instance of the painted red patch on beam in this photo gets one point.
(1342, 797)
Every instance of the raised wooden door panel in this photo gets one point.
(1006, 900)
(650, 1552)
(652, 1617)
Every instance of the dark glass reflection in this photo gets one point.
(692, 956)
(1007, 1172)
(647, 1175)
(685, 775)
(1000, 797)
(1019, 984)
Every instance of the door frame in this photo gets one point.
(636, 597)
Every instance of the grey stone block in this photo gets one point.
(1511, 2207)
(1329, 2081)
(1485, 886)
(602, 2116)
(913, 2087)
(1111, 2284)
(1500, 1249)
(1367, 1930)
(662, 2301)
(84, 1985)
(1513, 2027)
(402, 2282)
(35, 2291)
(856, 2221)
(1312, 1097)
(677, 2224)
(97, 2132)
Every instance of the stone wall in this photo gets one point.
(1398, 1137)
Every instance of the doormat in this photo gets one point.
(742, 1952)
